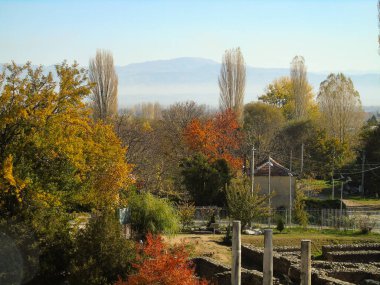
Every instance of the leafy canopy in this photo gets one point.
(216, 138)
(51, 152)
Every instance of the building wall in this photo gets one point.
(280, 186)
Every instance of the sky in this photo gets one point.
(331, 35)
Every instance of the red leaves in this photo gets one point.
(217, 138)
(158, 264)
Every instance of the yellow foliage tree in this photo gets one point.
(51, 152)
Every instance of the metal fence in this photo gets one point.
(321, 218)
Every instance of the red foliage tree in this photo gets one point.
(158, 264)
(217, 138)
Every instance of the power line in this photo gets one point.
(359, 172)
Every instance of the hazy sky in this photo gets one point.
(331, 35)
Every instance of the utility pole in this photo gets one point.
(341, 202)
(290, 198)
(333, 186)
(302, 160)
(252, 169)
(291, 160)
(236, 254)
(269, 192)
(363, 160)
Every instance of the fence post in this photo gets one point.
(305, 262)
(268, 258)
(236, 254)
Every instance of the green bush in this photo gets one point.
(227, 239)
(152, 214)
(280, 225)
(300, 213)
(35, 247)
(186, 213)
(101, 254)
(314, 203)
(243, 205)
(212, 220)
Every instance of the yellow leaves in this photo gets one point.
(11, 185)
(46, 125)
(45, 199)
(8, 171)
(146, 127)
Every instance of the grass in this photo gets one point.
(365, 201)
(210, 245)
(293, 237)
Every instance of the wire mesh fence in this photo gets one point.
(346, 219)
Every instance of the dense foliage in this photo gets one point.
(51, 153)
(245, 205)
(101, 253)
(53, 160)
(206, 181)
(158, 264)
(152, 214)
(372, 156)
(217, 138)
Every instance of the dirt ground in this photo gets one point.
(373, 204)
(210, 245)
(204, 245)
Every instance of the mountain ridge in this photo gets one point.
(194, 78)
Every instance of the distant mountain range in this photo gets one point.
(191, 78)
(188, 78)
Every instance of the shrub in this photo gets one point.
(186, 213)
(300, 213)
(101, 254)
(314, 203)
(212, 220)
(227, 239)
(152, 214)
(280, 225)
(34, 247)
(366, 224)
(158, 264)
(244, 205)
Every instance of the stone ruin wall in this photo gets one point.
(286, 266)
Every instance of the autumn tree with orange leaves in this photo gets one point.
(217, 138)
(158, 264)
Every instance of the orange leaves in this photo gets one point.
(158, 264)
(217, 138)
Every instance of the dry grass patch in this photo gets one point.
(211, 246)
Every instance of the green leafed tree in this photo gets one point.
(262, 122)
(243, 205)
(372, 152)
(206, 180)
(299, 208)
(150, 214)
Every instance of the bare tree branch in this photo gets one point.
(104, 93)
(232, 82)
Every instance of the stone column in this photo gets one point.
(236, 254)
(305, 262)
(268, 258)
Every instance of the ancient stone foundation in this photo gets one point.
(341, 265)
